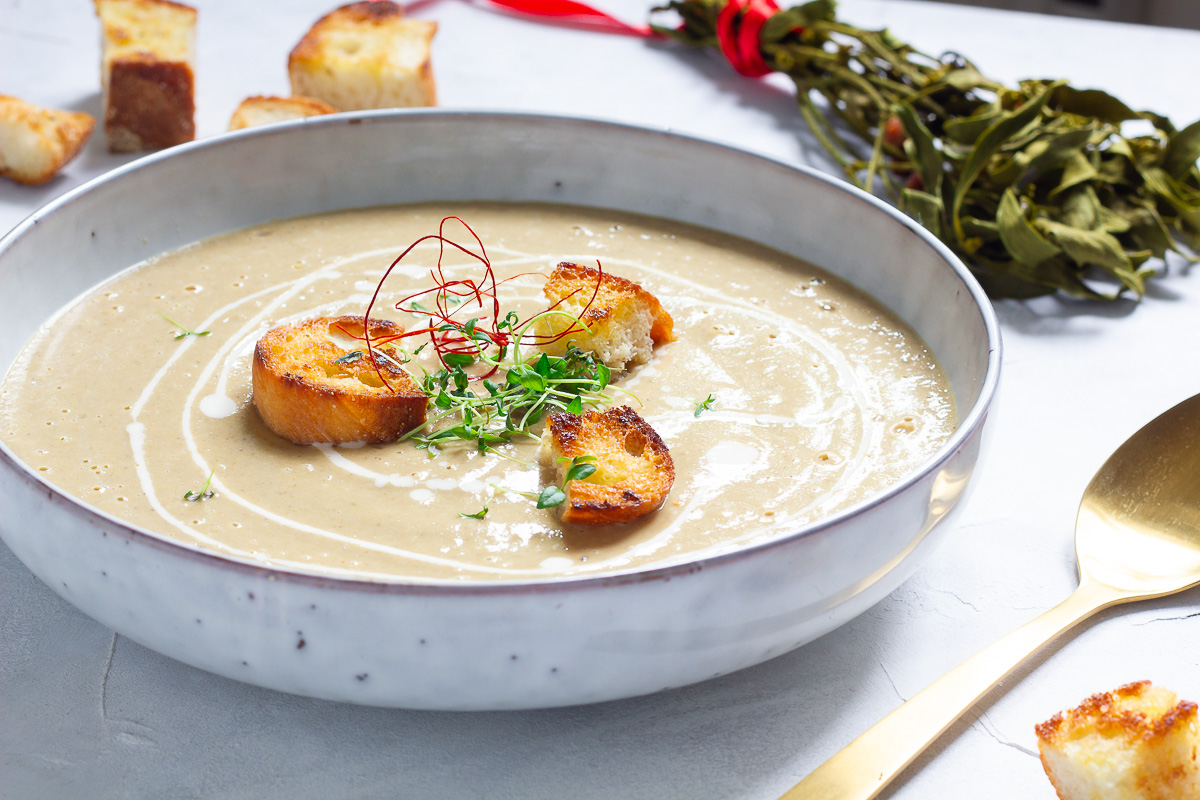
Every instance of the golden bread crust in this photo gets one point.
(263, 110)
(305, 394)
(1138, 742)
(147, 73)
(624, 321)
(366, 55)
(36, 142)
(634, 470)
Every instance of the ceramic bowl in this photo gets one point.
(488, 645)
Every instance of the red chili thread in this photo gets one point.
(482, 294)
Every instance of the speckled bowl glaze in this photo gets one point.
(488, 645)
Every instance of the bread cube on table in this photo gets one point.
(261, 110)
(365, 55)
(1138, 742)
(147, 73)
(36, 142)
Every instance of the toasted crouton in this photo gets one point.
(1135, 743)
(146, 70)
(313, 382)
(261, 110)
(634, 471)
(624, 322)
(36, 142)
(365, 55)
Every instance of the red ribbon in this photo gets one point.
(570, 11)
(739, 25)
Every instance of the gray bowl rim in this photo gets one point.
(967, 427)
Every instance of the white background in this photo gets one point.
(84, 713)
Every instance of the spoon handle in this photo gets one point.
(869, 763)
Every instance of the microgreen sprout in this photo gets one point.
(184, 331)
(581, 468)
(480, 514)
(468, 407)
(205, 492)
(705, 405)
(488, 388)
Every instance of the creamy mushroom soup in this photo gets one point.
(819, 398)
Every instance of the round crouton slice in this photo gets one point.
(313, 382)
(634, 470)
(624, 322)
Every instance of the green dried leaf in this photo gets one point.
(1110, 221)
(1079, 208)
(1020, 237)
(1147, 230)
(921, 149)
(1094, 248)
(998, 167)
(1182, 151)
(967, 77)
(967, 130)
(1062, 150)
(924, 208)
(1091, 103)
(1077, 170)
(988, 143)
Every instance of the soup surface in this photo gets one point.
(819, 398)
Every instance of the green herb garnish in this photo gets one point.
(705, 405)
(1039, 187)
(581, 468)
(487, 413)
(480, 514)
(349, 358)
(185, 332)
(551, 496)
(205, 492)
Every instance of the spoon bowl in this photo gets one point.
(1138, 529)
(1137, 537)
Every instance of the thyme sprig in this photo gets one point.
(184, 331)
(1038, 187)
(704, 405)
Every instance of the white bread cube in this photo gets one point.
(261, 110)
(1134, 743)
(146, 70)
(36, 142)
(624, 322)
(365, 55)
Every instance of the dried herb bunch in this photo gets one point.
(1035, 187)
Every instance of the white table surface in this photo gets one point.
(86, 713)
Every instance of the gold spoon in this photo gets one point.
(1137, 537)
